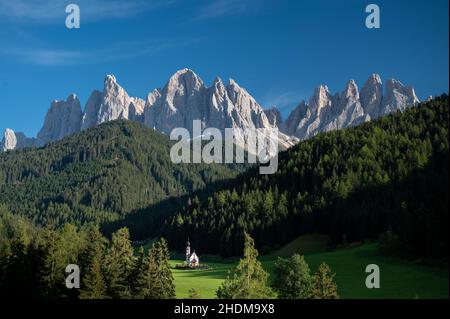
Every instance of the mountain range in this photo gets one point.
(185, 98)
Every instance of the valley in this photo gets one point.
(377, 193)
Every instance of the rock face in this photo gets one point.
(177, 104)
(9, 141)
(372, 95)
(91, 110)
(15, 140)
(398, 97)
(326, 112)
(62, 119)
(274, 116)
(186, 98)
(111, 104)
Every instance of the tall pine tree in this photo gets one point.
(118, 264)
(249, 280)
(94, 285)
(93, 282)
(161, 282)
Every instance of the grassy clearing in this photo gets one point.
(399, 278)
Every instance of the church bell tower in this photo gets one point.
(188, 251)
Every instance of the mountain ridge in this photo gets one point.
(185, 98)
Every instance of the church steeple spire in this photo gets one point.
(188, 251)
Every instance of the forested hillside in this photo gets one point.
(99, 175)
(353, 184)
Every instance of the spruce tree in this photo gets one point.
(139, 276)
(94, 247)
(161, 282)
(17, 272)
(93, 281)
(118, 264)
(53, 269)
(249, 280)
(323, 285)
(292, 278)
(165, 271)
(94, 286)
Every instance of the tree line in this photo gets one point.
(33, 262)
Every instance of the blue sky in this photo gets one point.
(278, 50)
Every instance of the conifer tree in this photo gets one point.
(165, 272)
(93, 281)
(94, 286)
(323, 285)
(139, 276)
(17, 272)
(249, 280)
(292, 278)
(161, 282)
(94, 247)
(118, 264)
(53, 268)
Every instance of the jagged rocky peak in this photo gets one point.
(351, 90)
(321, 97)
(136, 109)
(218, 83)
(16, 140)
(235, 91)
(398, 97)
(182, 89)
(218, 103)
(91, 110)
(274, 116)
(372, 95)
(115, 101)
(112, 104)
(110, 80)
(218, 90)
(294, 119)
(62, 119)
(9, 140)
(182, 100)
(326, 112)
(185, 98)
(186, 78)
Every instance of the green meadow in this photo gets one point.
(399, 278)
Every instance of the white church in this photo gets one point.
(192, 260)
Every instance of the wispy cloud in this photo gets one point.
(219, 8)
(117, 52)
(49, 57)
(50, 11)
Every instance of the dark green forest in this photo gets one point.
(387, 177)
(101, 174)
(33, 262)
